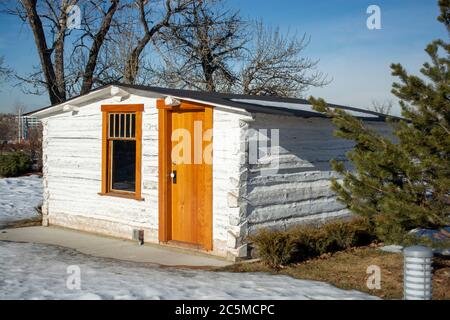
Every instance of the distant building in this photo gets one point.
(25, 124)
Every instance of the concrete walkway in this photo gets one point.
(111, 247)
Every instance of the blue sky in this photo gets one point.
(355, 57)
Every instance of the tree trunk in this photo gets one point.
(132, 63)
(208, 73)
(59, 52)
(44, 52)
(88, 76)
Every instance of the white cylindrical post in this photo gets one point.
(417, 277)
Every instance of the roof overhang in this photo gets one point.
(114, 92)
(243, 104)
(118, 94)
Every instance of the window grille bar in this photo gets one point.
(122, 126)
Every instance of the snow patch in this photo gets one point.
(36, 271)
(392, 248)
(19, 197)
(299, 107)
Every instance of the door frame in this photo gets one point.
(164, 170)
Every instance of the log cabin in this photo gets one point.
(187, 168)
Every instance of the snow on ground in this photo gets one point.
(18, 198)
(36, 271)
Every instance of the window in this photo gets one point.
(121, 158)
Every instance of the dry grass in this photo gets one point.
(347, 270)
(31, 222)
(24, 223)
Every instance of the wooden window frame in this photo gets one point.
(106, 190)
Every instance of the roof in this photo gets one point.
(250, 103)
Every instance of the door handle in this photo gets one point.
(173, 175)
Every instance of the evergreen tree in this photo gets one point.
(402, 182)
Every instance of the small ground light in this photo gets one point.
(139, 236)
(417, 277)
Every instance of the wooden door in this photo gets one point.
(189, 182)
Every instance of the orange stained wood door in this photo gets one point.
(191, 220)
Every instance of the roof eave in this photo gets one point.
(112, 91)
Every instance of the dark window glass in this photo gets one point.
(111, 125)
(127, 127)
(123, 176)
(116, 125)
(122, 125)
(133, 124)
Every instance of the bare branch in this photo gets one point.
(384, 107)
(199, 48)
(97, 43)
(274, 65)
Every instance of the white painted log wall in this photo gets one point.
(72, 173)
(300, 191)
(228, 228)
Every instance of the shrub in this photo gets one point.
(14, 164)
(346, 234)
(340, 235)
(310, 241)
(277, 248)
(274, 247)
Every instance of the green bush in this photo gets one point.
(277, 248)
(14, 164)
(274, 247)
(346, 234)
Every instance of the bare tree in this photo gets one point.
(34, 146)
(384, 107)
(89, 66)
(97, 40)
(55, 18)
(199, 48)
(274, 65)
(210, 49)
(48, 22)
(140, 23)
(8, 129)
(199, 44)
(5, 71)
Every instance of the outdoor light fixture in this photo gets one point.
(118, 94)
(171, 101)
(138, 235)
(417, 276)
(70, 107)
